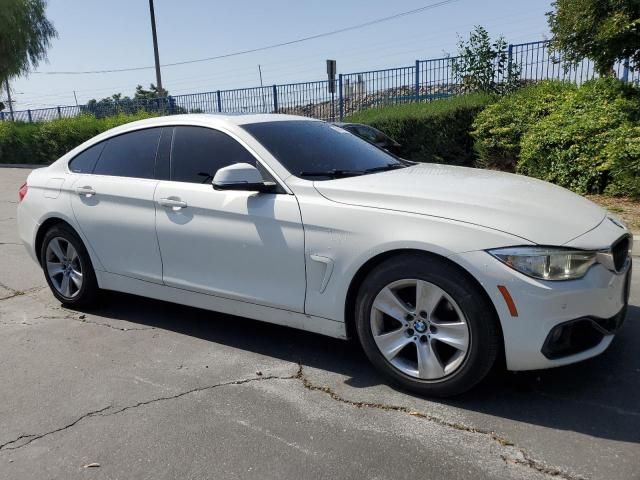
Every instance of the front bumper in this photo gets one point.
(580, 335)
(558, 323)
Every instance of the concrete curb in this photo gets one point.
(21, 165)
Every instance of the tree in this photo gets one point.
(153, 92)
(25, 35)
(605, 31)
(153, 100)
(483, 65)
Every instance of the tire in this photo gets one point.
(62, 274)
(442, 352)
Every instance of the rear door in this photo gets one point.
(113, 203)
(241, 245)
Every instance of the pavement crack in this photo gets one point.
(71, 315)
(24, 440)
(200, 389)
(514, 455)
(107, 325)
(91, 322)
(518, 455)
(12, 292)
(10, 243)
(16, 293)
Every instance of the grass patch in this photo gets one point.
(626, 208)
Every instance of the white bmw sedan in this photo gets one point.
(437, 270)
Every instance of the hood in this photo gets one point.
(528, 208)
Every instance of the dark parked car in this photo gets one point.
(372, 135)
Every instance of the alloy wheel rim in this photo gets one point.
(420, 329)
(64, 267)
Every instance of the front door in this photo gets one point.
(240, 245)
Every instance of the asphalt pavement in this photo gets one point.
(143, 389)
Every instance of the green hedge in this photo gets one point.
(43, 143)
(583, 138)
(438, 131)
(499, 128)
(589, 143)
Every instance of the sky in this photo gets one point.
(102, 35)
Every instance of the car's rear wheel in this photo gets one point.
(426, 326)
(67, 267)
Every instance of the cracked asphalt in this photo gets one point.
(142, 389)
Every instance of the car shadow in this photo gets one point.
(599, 397)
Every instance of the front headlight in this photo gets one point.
(547, 263)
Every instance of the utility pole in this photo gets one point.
(74, 96)
(9, 101)
(155, 46)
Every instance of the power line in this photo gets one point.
(282, 68)
(267, 47)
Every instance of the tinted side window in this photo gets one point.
(130, 155)
(198, 153)
(85, 161)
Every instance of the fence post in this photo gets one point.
(417, 89)
(219, 101)
(275, 99)
(172, 102)
(625, 71)
(340, 98)
(509, 61)
(29, 116)
(59, 112)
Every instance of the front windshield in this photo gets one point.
(320, 151)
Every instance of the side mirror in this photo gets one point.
(242, 176)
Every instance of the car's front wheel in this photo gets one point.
(67, 267)
(426, 326)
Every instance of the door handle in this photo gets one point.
(173, 202)
(87, 191)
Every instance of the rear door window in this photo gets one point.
(131, 154)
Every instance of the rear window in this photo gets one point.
(130, 154)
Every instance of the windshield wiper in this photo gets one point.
(334, 172)
(390, 166)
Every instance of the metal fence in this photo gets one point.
(424, 81)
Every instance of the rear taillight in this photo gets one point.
(23, 191)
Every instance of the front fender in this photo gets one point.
(346, 237)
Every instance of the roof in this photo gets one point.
(216, 118)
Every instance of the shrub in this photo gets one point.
(53, 139)
(42, 143)
(430, 132)
(622, 159)
(498, 129)
(581, 144)
(15, 144)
